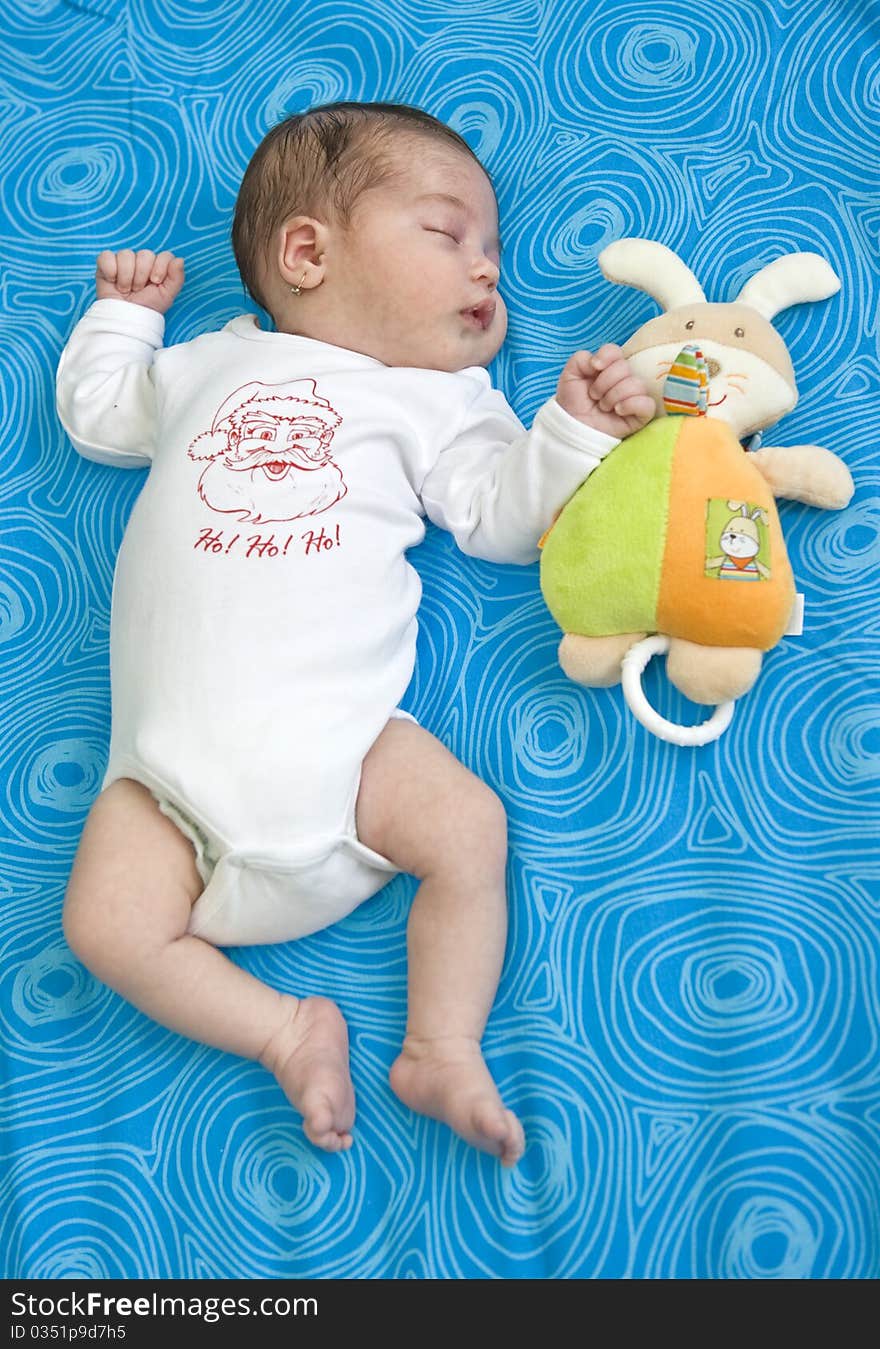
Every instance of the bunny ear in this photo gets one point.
(789, 280)
(653, 268)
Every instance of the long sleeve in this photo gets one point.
(105, 395)
(497, 487)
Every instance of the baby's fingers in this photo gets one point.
(143, 267)
(105, 266)
(606, 356)
(639, 406)
(160, 268)
(627, 387)
(579, 366)
(174, 279)
(609, 381)
(125, 265)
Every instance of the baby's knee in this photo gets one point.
(492, 818)
(83, 930)
(480, 832)
(95, 933)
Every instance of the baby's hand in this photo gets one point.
(150, 279)
(601, 391)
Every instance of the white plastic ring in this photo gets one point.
(633, 664)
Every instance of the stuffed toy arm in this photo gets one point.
(805, 473)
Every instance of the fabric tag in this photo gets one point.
(795, 626)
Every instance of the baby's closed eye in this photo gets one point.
(450, 234)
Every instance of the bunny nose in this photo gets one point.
(714, 367)
(686, 384)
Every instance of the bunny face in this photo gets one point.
(751, 380)
(740, 538)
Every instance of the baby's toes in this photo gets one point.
(512, 1140)
(502, 1132)
(330, 1140)
(319, 1119)
(334, 1142)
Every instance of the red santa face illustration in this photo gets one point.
(269, 453)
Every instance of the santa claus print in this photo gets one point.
(268, 453)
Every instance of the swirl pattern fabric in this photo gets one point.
(688, 1018)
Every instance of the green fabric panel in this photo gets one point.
(600, 565)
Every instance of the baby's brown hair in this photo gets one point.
(319, 163)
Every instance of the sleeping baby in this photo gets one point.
(262, 778)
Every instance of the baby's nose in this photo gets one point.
(485, 267)
(714, 367)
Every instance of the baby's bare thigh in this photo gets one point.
(133, 867)
(422, 809)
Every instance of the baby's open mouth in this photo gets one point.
(481, 315)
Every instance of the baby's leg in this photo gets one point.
(420, 808)
(128, 904)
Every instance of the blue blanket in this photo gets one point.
(688, 1016)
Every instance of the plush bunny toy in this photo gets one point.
(674, 543)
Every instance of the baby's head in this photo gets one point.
(386, 224)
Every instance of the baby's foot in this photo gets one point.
(309, 1057)
(448, 1080)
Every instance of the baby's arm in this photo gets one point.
(497, 488)
(104, 387)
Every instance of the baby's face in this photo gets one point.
(417, 269)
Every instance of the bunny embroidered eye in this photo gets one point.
(689, 324)
(739, 332)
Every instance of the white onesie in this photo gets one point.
(263, 623)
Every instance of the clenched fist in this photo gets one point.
(149, 279)
(601, 391)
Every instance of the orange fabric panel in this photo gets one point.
(709, 463)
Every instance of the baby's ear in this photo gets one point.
(302, 242)
(793, 279)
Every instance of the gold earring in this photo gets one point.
(297, 290)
